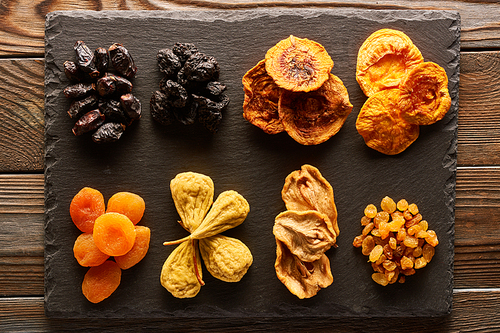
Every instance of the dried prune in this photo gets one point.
(85, 59)
(113, 111)
(101, 60)
(184, 50)
(122, 61)
(160, 110)
(215, 88)
(176, 94)
(209, 111)
(79, 90)
(88, 122)
(201, 68)
(187, 114)
(108, 132)
(72, 72)
(131, 106)
(78, 107)
(168, 62)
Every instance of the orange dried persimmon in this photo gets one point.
(314, 117)
(85, 207)
(381, 126)
(86, 252)
(138, 251)
(424, 94)
(298, 64)
(384, 58)
(101, 281)
(260, 106)
(129, 204)
(114, 234)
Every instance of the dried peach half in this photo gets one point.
(298, 64)
(424, 94)
(381, 126)
(260, 106)
(314, 117)
(384, 58)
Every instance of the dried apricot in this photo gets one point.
(424, 97)
(86, 252)
(385, 57)
(138, 251)
(114, 234)
(381, 126)
(101, 281)
(128, 204)
(314, 117)
(260, 106)
(87, 205)
(298, 64)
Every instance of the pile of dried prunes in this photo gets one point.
(101, 91)
(189, 91)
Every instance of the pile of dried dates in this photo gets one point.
(190, 90)
(101, 91)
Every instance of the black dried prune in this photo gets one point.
(184, 50)
(113, 111)
(215, 88)
(122, 61)
(106, 85)
(88, 122)
(160, 110)
(108, 132)
(200, 67)
(85, 59)
(131, 106)
(79, 90)
(73, 73)
(168, 62)
(101, 60)
(185, 115)
(177, 96)
(81, 106)
(209, 111)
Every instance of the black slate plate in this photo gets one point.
(243, 158)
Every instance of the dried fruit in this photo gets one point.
(85, 59)
(381, 126)
(114, 234)
(101, 281)
(424, 96)
(122, 60)
(86, 252)
(72, 71)
(88, 122)
(138, 251)
(108, 132)
(86, 206)
(260, 106)
(314, 117)
(80, 106)
(385, 57)
(128, 204)
(79, 90)
(393, 254)
(298, 64)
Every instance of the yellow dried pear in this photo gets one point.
(180, 275)
(226, 258)
(193, 194)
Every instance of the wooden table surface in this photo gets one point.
(476, 301)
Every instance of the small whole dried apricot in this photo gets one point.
(128, 204)
(87, 205)
(101, 281)
(86, 252)
(114, 234)
(138, 251)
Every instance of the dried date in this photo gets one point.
(122, 61)
(113, 111)
(101, 60)
(85, 59)
(88, 122)
(72, 71)
(78, 107)
(131, 106)
(108, 132)
(79, 90)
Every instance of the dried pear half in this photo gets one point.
(384, 59)
(307, 189)
(381, 126)
(314, 117)
(424, 94)
(260, 106)
(304, 233)
(298, 64)
(226, 258)
(303, 279)
(193, 194)
(181, 273)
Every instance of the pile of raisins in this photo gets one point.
(101, 91)
(190, 90)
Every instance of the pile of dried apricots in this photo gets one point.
(111, 232)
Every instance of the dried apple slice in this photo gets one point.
(384, 59)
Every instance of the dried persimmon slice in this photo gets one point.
(298, 64)
(129, 204)
(101, 281)
(260, 106)
(384, 58)
(381, 126)
(314, 117)
(114, 234)
(85, 207)
(424, 94)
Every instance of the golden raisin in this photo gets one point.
(367, 245)
(406, 263)
(370, 211)
(413, 208)
(376, 253)
(388, 205)
(420, 263)
(428, 252)
(369, 227)
(402, 205)
(358, 240)
(380, 278)
(365, 220)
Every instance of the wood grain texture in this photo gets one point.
(22, 21)
(472, 312)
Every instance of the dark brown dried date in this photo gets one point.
(122, 61)
(79, 90)
(78, 107)
(108, 132)
(85, 59)
(106, 86)
(131, 106)
(123, 86)
(73, 73)
(101, 60)
(113, 111)
(88, 122)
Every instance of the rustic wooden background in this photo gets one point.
(477, 244)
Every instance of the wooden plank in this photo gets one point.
(477, 237)
(22, 22)
(21, 112)
(472, 311)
